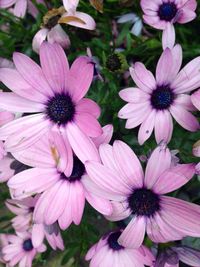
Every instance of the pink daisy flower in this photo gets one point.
(63, 189)
(53, 95)
(155, 101)
(162, 14)
(120, 179)
(20, 7)
(24, 222)
(108, 252)
(20, 250)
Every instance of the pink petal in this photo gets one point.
(168, 36)
(164, 69)
(88, 124)
(7, 3)
(107, 179)
(39, 38)
(159, 161)
(174, 178)
(87, 105)
(88, 24)
(20, 8)
(70, 5)
(133, 234)
(14, 81)
(77, 201)
(54, 65)
(132, 110)
(128, 163)
(163, 126)
(101, 205)
(177, 55)
(184, 118)
(105, 137)
(186, 16)
(32, 73)
(138, 73)
(37, 234)
(185, 101)
(14, 103)
(196, 99)
(80, 78)
(139, 116)
(120, 211)
(58, 203)
(134, 95)
(5, 117)
(58, 35)
(82, 146)
(146, 128)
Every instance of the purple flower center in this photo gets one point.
(77, 172)
(60, 109)
(167, 11)
(112, 241)
(27, 245)
(162, 97)
(144, 202)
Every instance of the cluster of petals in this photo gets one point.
(54, 95)
(52, 30)
(63, 189)
(19, 7)
(155, 101)
(108, 252)
(163, 14)
(141, 196)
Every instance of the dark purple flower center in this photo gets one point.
(144, 202)
(52, 22)
(77, 172)
(112, 241)
(60, 109)
(162, 97)
(167, 11)
(27, 245)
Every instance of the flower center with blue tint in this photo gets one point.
(77, 172)
(27, 245)
(144, 202)
(167, 11)
(60, 109)
(112, 241)
(162, 97)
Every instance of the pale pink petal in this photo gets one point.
(54, 65)
(132, 110)
(80, 77)
(87, 105)
(88, 124)
(163, 126)
(82, 146)
(32, 73)
(159, 161)
(106, 179)
(20, 8)
(196, 99)
(7, 3)
(5, 117)
(188, 255)
(37, 235)
(146, 128)
(101, 205)
(58, 35)
(186, 16)
(105, 137)
(138, 72)
(164, 67)
(177, 55)
(134, 95)
(77, 201)
(168, 36)
(184, 118)
(32, 9)
(128, 163)
(39, 38)
(138, 116)
(14, 81)
(133, 234)
(120, 211)
(174, 178)
(88, 24)
(14, 103)
(58, 203)
(70, 5)
(185, 101)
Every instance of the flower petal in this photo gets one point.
(163, 126)
(146, 127)
(164, 69)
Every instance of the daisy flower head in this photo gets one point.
(56, 101)
(20, 250)
(62, 184)
(121, 179)
(155, 101)
(107, 251)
